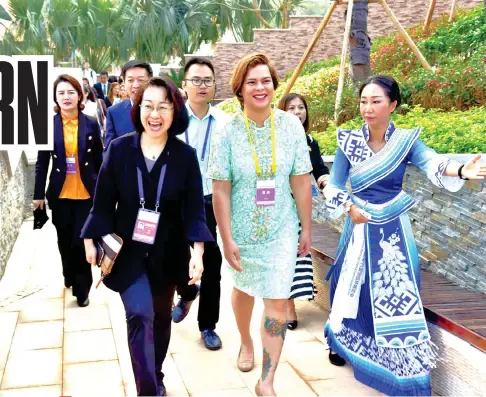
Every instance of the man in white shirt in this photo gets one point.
(199, 85)
(89, 74)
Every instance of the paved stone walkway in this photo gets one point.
(51, 347)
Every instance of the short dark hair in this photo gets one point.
(66, 78)
(198, 61)
(389, 85)
(136, 64)
(283, 104)
(180, 121)
(104, 73)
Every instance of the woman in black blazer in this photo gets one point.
(76, 160)
(154, 258)
(303, 284)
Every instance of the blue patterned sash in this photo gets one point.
(386, 212)
(383, 163)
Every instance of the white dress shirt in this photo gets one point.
(90, 108)
(196, 132)
(90, 74)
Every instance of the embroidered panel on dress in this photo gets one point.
(398, 313)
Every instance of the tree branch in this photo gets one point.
(259, 15)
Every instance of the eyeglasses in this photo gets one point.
(162, 109)
(198, 82)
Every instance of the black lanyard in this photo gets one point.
(159, 187)
(205, 138)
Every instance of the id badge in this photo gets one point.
(70, 165)
(265, 194)
(146, 226)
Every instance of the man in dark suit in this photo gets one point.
(118, 121)
(103, 87)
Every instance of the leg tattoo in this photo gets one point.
(267, 364)
(275, 326)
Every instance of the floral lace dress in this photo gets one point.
(266, 235)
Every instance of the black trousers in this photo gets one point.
(148, 309)
(68, 216)
(210, 294)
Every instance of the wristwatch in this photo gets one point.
(347, 206)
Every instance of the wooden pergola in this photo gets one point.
(347, 29)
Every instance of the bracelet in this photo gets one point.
(459, 173)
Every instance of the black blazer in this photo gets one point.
(99, 90)
(90, 156)
(116, 205)
(318, 167)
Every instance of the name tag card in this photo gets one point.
(71, 165)
(146, 226)
(265, 194)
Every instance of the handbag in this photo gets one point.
(107, 249)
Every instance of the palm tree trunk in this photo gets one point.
(285, 14)
(360, 43)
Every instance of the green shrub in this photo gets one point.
(462, 37)
(313, 67)
(446, 132)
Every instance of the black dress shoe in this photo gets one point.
(211, 339)
(181, 310)
(83, 303)
(336, 359)
(292, 324)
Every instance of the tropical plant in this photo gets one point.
(176, 76)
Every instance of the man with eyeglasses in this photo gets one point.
(118, 120)
(199, 85)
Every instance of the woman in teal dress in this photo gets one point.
(256, 160)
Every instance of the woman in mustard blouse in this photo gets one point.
(76, 160)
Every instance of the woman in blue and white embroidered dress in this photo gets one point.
(377, 321)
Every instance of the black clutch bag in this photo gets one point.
(40, 217)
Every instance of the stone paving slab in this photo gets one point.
(51, 347)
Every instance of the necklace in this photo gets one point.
(152, 150)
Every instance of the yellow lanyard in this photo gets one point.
(252, 145)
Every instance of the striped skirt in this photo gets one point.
(303, 283)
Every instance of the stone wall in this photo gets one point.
(449, 228)
(286, 46)
(16, 192)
